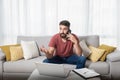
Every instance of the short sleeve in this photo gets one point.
(52, 42)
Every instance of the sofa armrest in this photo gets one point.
(114, 70)
(1, 69)
(114, 56)
(2, 55)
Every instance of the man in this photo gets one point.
(64, 47)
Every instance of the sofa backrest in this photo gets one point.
(92, 40)
(41, 40)
(44, 40)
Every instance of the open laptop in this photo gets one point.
(49, 69)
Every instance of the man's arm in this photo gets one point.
(77, 48)
(49, 52)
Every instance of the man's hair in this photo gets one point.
(65, 23)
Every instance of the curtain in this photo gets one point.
(42, 17)
(103, 20)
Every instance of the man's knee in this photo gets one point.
(82, 59)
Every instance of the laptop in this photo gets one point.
(50, 69)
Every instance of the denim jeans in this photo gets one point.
(73, 59)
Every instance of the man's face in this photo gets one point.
(63, 31)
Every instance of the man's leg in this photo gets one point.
(78, 60)
(55, 59)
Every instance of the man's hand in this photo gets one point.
(72, 38)
(49, 52)
(43, 49)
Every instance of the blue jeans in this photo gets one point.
(73, 59)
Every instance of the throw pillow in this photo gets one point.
(108, 50)
(16, 53)
(6, 50)
(30, 49)
(96, 53)
(85, 49)
(2, 55)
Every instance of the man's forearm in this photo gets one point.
(78, 49)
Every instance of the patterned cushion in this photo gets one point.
(108, 50)
(6, 50)
(96, 53)
(16, 53)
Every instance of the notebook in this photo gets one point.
(49, 69)
(86, 73)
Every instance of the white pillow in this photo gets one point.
(85, 49)
(30, 49)
(2, 55)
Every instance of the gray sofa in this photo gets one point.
(21, 69)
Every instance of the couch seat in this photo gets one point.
(22, 65)
(101, 67)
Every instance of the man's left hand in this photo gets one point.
(72, 38)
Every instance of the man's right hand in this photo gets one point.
(43, 49)
(49, 52)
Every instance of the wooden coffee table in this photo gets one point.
(72, 76)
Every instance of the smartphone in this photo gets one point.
(69, 31)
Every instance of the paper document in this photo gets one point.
(86, 73)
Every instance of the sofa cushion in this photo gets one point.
(16, 53)
(108, 50)
(27, 65)
(6, 50)
(22, 65)
(96, 53)
(40, 40)
(100, 67)
(85, 49)
(30, 49)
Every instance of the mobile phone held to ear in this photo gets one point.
(69, 31)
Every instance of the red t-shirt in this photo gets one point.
(63, 49)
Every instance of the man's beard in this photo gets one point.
(63, 35)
